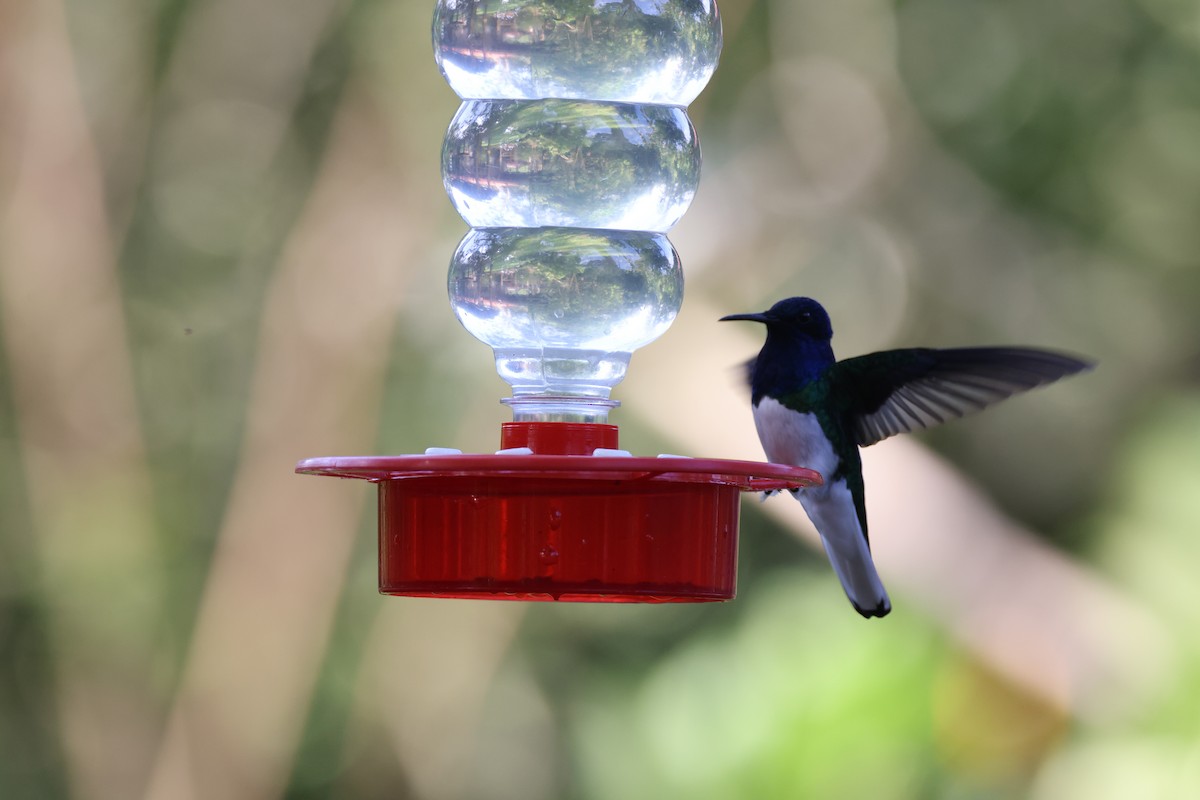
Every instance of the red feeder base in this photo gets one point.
(560, 523)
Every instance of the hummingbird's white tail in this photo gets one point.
(831, 510)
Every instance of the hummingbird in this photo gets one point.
(814, 411)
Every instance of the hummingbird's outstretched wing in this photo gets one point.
(898, 391)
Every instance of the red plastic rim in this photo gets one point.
(749, 476)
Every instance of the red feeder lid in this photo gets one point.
(545, 519)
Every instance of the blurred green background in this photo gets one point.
(223, 244)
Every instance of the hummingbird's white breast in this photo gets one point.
(790, 437)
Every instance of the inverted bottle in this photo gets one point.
(570, 157)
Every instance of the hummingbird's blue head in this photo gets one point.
(797, 350)
(793, 318)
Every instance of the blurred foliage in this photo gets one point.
(937, 171)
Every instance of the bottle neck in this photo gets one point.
(560, 408)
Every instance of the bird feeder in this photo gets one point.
(570, 157)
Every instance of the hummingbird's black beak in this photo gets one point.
(760, 317)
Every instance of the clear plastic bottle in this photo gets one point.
(570, 156)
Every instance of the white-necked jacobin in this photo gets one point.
(814, 411)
